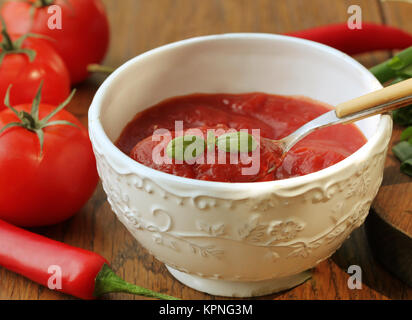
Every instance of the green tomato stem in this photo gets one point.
(94, 68)
(44, 3)
(108, 282)
(30, 121)
(7, 44)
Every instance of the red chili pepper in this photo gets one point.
(84, 274)
(370, 38)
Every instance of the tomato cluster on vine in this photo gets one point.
(47, 167)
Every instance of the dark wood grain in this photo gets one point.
(389, 225)
(397, 210)
(140, 25)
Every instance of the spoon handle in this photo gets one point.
(384, 100)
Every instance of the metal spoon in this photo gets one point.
(380, 101)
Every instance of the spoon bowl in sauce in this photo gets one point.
(390, 98)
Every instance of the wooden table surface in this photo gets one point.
(140, 25)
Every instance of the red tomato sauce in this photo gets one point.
(276, 117)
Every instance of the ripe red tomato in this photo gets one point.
(83, 38)
(26, 76)
(45, 187)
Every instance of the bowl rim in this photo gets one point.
(97, 131)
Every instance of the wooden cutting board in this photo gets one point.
(389, 225)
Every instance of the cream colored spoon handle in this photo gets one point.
(400, 94)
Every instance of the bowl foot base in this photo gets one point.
(239, 289)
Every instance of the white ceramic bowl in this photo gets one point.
(238, 239)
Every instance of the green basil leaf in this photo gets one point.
(406, 134)
(211, 140)
(406, 167)
(186, 148)
(403, 116)
(236, 142)
(403, 151)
